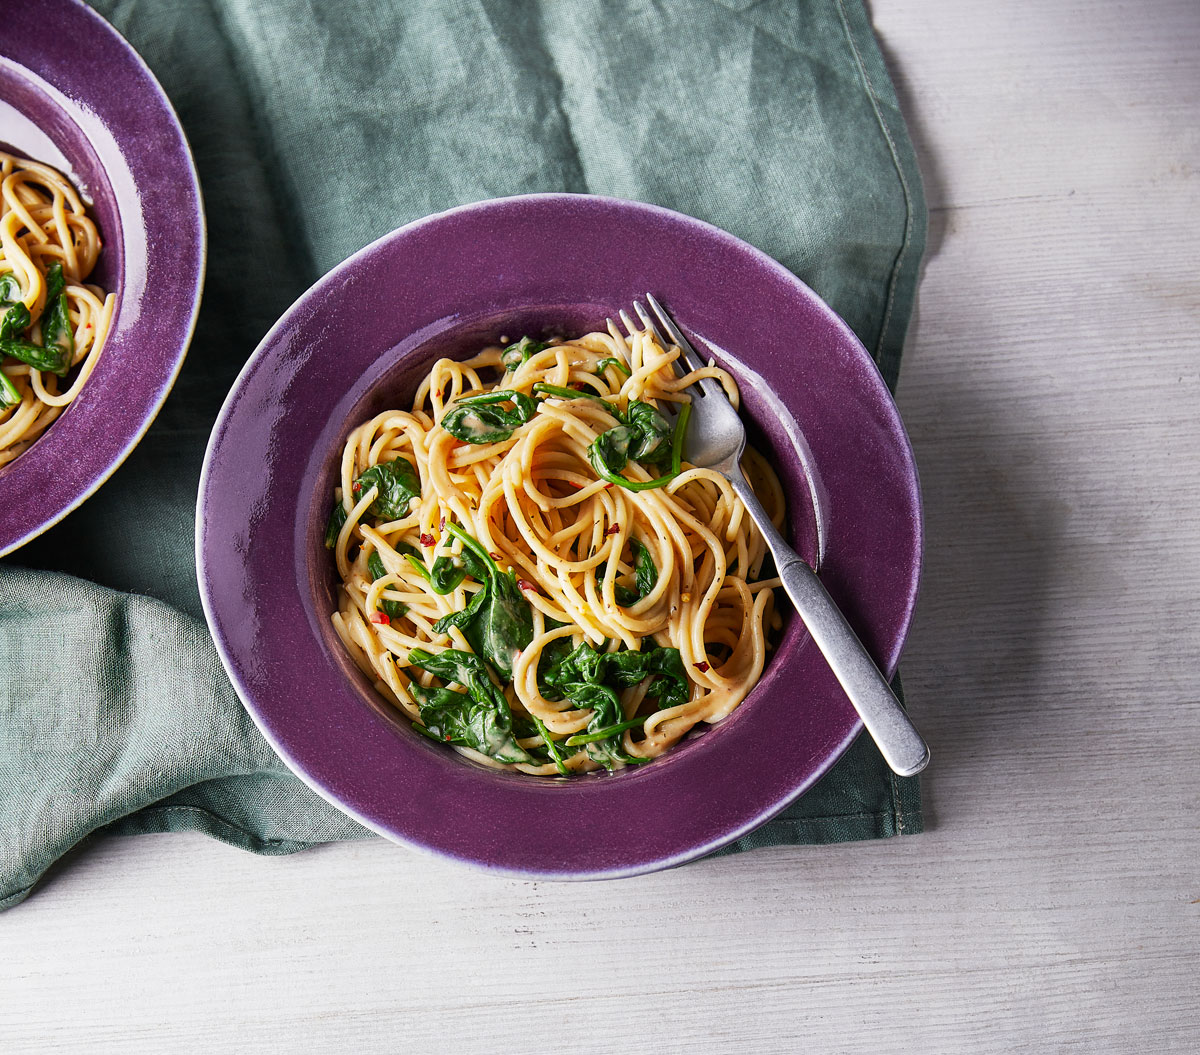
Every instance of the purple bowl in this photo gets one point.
(548, 264)
(75, 95)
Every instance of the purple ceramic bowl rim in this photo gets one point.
(321, 289)
(159, 362)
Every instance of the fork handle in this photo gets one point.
(894, 734)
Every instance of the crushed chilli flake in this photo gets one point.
(613, 530)
(442, 524)
(525, 584)
(701, 666)
(427, 539)
(381, 618)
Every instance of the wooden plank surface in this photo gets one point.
(1051, 388)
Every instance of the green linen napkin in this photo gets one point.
(316, 129)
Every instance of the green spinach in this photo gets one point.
(57, 350)
(9, 396)
(591, 679)
(625, 597)
(56, 317)
(398, 485)
(645, 570)
(543, 389)
(54, 359)
(481, 418)
(580, 739)
(622, 669)
(14, 320)
(392, 609)
(604, 364)
(551, 746)
(521, 352)
(645, 576)
(643, 435)
(447, 571)
(479, 718)
(497, 621)
(337, 521)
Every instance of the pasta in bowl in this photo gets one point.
(52, 324)
(519, 580)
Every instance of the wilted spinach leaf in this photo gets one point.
(9, 396)
(398, 485)
(622, 669)
(551, 746)
(624, 595)
(337, 521)
(56, 317)
(497, 621)
(590, 679)
(645, 570)
(445, 575)
(543, 389)
(392, 609)
(645, 575)
(479, 718)
(521, 352)
(481, 419)
(53, 359)
(465, 617)
(644, 435)
(14, 320)
(604, 364)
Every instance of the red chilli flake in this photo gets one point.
(356, 488)
(613, 530)
(442, 524)
(702, 667)
(427, 539)
(495, 556)
(381, 618)
(525, 584)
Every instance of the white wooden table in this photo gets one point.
(1052, 390)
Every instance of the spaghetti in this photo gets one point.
(531, 573)
(52, 325)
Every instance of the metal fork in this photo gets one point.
(716, 439)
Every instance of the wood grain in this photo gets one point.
(1051, 388)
